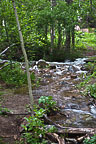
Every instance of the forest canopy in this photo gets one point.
(48, 27)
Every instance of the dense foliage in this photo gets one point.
(13, 75)
(48, 27)
(35, 130)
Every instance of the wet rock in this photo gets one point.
(52, 66)
(42, 64)
(47, 75)
(73, 76)
(84, 68)
(64, 83)
(68, 121)
(73, 68)
(73, 106)
(93, 109)
(90, 60)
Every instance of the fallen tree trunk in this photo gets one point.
(6, 49)
(63, 130)
(77, 131)
(55, 138)
(70, 130)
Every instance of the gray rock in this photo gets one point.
(47, 75)
(93, 109)
(72, 68)
(42, 63)
(52, 66)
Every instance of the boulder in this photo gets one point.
(52, 66)
(73, 76)
(42, 64)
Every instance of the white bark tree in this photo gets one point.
(53, 3)
(25, 56)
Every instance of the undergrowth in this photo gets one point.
(88, 83)
(13, 75)
(91, 140)
(84, 39)
(35, 129)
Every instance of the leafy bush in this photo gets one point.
(85, 39)
(91, 67)
(48, 103)
(92, 140)
(14, 75)
(35, 129)
(91, 89)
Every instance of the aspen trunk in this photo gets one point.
(25, 57)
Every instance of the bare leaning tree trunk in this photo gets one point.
(52, 31)
(25, 56)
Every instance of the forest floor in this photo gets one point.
(10, 124)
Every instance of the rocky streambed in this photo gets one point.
(60, 80)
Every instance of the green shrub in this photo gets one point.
(48, 103)
(14, 75)
(91, 89)
(35, 129)
(92, 140)
(85, 39)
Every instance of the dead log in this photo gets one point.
(63, 130)
(72, 140)
(80, 139)
(4, 66)
(70, 130)
(6, 49)
(53, 137)
(77, 131)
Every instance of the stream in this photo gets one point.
(60, 81)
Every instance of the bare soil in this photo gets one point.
(10, 124)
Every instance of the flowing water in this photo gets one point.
(60, 83)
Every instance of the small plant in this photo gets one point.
(48, 103)
(92, 140)
(35, 129)
(87, 80)
(91, 67)
(3, 110)
(91, 89)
